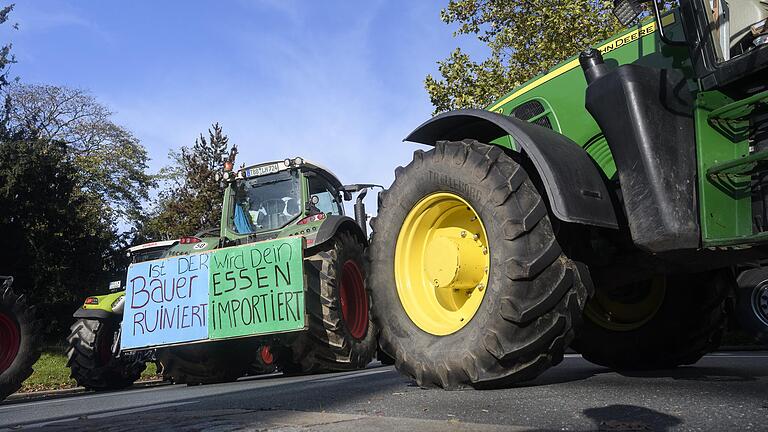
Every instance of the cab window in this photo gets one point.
(328, 200)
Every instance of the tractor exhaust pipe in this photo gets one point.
(593, 65)
(360, 216)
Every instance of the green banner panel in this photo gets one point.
(256, 289)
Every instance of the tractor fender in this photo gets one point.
(109, 306)
(574, 185)
(94, 314)
(334, 223)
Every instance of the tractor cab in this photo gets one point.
(727, 39)
(737, 26)
(283, 198)
(268, 197)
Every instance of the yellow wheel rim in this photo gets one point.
(627, 307)
(441, 263)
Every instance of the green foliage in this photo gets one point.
(70, 178)
(191, 200)
(111, 161)
(51, 372)
(6, 58)
(55, 242)
(525, 39)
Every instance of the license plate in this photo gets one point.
(249, 290)
(262, 170)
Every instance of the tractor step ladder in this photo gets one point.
(735, 176)
(732, 120)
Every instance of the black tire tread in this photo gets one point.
(327, 345)
(208, 363)
(748, 281)
(15, 305)
(689, 324)
(82, 358)
(547, 288)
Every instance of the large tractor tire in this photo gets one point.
(341, 335)
(91, 356)
(384, 358)
(470, 284)
(208, 363)
(656, 324)
(19, 339)
(752, 303)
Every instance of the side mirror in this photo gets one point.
(357, 187)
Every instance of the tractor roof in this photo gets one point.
(274, 166)
(151, 245)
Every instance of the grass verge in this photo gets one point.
(51, 373)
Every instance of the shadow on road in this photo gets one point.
(698, 373)
(628, 418)
(563, 375)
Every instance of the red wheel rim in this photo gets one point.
(10, 341)
(266, 355)
(354, 300)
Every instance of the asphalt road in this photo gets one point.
(725, 391)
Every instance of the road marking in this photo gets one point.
(103, 414)
(351, 375)
(736, 356)
(139, 409)
(82, 397)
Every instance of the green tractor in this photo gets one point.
(93, 352)
(19, 338)
(606, 205)
(280, 283)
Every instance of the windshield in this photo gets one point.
(267, 202)
(148, 254)
(737, 26)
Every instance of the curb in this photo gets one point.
(43, 394)
(742, 348)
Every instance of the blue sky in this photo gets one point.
(338, 82)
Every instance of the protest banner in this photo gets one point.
(166, 301)
(257, 289)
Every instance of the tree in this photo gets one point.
(192, 198)
(111, 161)
(55, 243)
(68, 177)
(525, 38)
(6, 58)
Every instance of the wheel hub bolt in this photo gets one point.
(480, 287)
(463, 234)
(476, 236)
(485, 251)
